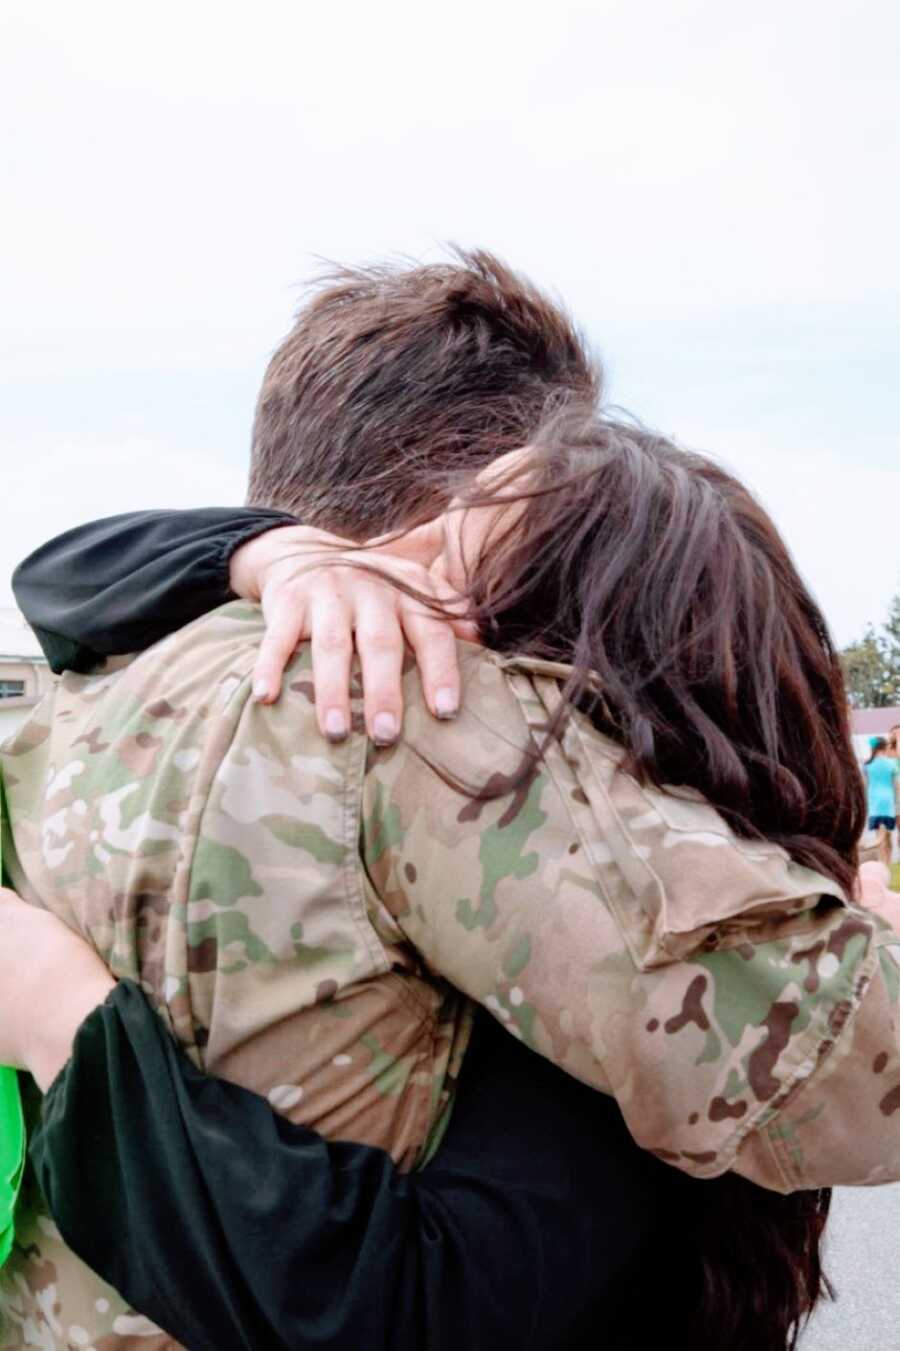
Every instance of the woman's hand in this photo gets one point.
(874, 893)
(310, 587)
(50, 980)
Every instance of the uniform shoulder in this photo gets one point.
(490, 732)
(237, 623)
(217, 651)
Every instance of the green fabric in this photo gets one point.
(12, 1126)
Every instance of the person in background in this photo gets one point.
(894, 751)
(882, 773)
(893, 739)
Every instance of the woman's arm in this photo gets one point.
(231, 1227)
(120, 584)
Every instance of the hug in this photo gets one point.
(385, 991)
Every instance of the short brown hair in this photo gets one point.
(391, 369)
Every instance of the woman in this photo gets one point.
(882, 773)
(688, 677)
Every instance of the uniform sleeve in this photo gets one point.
(841, 1125)
(478, 865)
(230, 1227)
(118, 585)
(741, 1014)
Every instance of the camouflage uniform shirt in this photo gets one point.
(294, 910)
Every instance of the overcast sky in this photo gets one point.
(711, 188)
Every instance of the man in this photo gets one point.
(457, 363)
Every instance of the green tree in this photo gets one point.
(872, 664)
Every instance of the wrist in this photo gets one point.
(249, 563)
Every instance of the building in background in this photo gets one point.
(24, 673)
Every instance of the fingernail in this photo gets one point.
(335, 725)
(384, 729)
(446, 702)
(261, 690)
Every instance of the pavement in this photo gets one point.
(862, 1257)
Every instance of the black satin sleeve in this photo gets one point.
(533, 1228)
(119, 584)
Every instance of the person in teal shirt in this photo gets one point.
(882, 773)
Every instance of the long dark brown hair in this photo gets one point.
(696, 645)
(693, 640)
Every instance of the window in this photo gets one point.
(12, 689)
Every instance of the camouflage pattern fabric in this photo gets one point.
(741, 1010)
(296, 910)
(51, 1300)
(209, 849)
